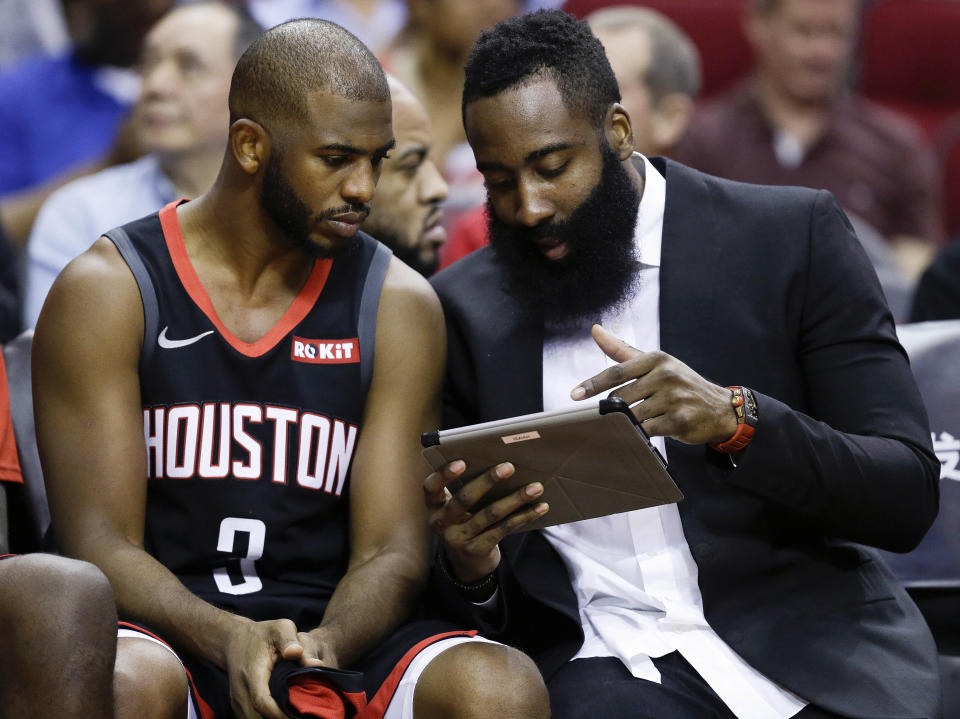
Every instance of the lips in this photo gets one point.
(436, 235)
(433, 231)
(553, 248)
(345, 225)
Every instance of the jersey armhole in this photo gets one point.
(148, 294)
(369, 303)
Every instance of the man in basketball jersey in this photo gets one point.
(229, 396)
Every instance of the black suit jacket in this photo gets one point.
(769, 288)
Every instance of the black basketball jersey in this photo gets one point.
(249, 446)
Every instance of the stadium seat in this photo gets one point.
(934, 349)
(931, 572)
(713, 25)
(909, 58)
(29, 513)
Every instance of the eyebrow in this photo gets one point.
(352, 150)
(418, 151)
(535, 155)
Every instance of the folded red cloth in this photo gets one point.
(317, 692)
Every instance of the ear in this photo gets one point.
(618, 131)
(249, 145)
(669, 120)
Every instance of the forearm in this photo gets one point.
(148, 592)
(876, 490)
(373, 597)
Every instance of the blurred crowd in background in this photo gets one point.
(105, 120)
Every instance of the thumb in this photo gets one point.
(311, 651)
(286, 641)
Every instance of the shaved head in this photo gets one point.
(287, 63)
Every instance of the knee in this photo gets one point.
(148, 681)
(61, 595)
(477, 680)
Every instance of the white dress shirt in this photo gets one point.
(633, 574)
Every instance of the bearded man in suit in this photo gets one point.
(748, 332)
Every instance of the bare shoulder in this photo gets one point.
(409, 300)
(94, 300)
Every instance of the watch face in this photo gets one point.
(750, 407)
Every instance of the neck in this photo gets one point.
(806, 120)
(227, 229)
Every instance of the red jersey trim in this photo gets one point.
(378, 705)
(296, 312)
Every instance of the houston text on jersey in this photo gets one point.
(217, 440)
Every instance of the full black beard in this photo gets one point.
(408, 255)
(287, 211)
(291, 215)
(598, 272)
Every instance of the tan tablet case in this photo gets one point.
(592, 461)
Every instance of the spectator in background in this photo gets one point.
(796, 123)
(405, 213)
(375, 22)
(938, 292)
(428, 58)
(62, 115)
(658, 70)
(182, 119)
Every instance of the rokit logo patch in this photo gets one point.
(325, 351)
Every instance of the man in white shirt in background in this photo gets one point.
(182, 120)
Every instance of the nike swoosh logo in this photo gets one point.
(173, 344)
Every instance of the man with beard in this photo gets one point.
(608, 270)
(405, 213)
(228, 398)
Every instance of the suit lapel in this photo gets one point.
(690, 262)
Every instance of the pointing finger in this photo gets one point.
(612, 346)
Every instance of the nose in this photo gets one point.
(432, 187)
(360, 183)
(532, 207)
(159, 79)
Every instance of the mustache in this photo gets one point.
(434, 216)
(359, 208)
(549, 228)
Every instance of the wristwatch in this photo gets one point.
(745, 407)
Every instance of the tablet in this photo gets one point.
(592, 460)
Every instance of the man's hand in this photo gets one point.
(251, 655)
(317, 651)
(470, 540)
(677, 402)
